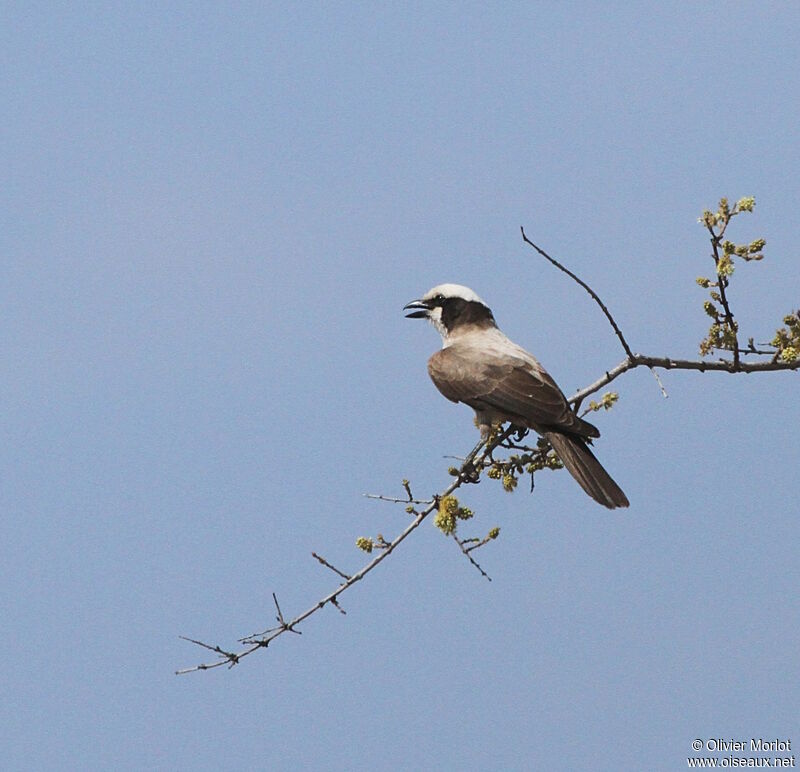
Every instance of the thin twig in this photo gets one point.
(278, 607)
(286, 628)
(328, 565)
(583, 284)
(336, 604)
(476, 543)
(470, 558)
(394, 500)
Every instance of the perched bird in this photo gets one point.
(480, 366)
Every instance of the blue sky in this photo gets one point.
(212, 217)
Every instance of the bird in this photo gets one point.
(502, 382)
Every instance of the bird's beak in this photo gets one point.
(422, 313)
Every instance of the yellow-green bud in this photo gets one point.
(445, 519)
(707, 219)
(363, 543)
(725, 266)
(464, 513)
(494, 533)
(448, 504)
(609, 399)
(509, 482)
(789, 354)
(746, 204)
(445, 522)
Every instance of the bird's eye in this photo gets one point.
(439, 299)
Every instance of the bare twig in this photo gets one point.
(475, 543)
(583, 284)
(338, 607)
(287, 628)
(394, 500)
(328, 565)
(469, 557)
(227, 657)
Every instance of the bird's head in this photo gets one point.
(449, 306)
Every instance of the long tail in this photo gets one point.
(587, 470)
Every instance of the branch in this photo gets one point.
(633, 361)
(262, 640)
(667, 363)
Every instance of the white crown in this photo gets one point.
(453, 291)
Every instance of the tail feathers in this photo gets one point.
(587, 470)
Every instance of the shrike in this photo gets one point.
(480, 366)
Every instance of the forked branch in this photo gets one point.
(480, 458)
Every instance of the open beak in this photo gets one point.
(422, 313)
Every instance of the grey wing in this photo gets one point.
(508, 385)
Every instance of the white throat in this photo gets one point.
(435, 318)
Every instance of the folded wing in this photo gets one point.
(513, 386)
